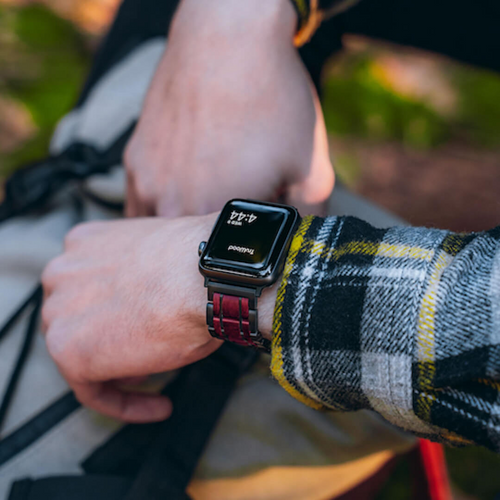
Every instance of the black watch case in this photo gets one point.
(249, 243)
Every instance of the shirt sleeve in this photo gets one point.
(402, 321)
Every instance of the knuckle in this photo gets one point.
(46, 277)
(64, 348)
(74, 236)
(80, 357)
(48, 314)
(82, 233)
(50, 273)
(55, 343)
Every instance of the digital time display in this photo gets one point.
(245, 234)
(239, 218)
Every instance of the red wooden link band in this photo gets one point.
(229, 318)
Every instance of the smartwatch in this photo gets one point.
(245, 253)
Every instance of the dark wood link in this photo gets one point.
(230, 322)
(230, 318)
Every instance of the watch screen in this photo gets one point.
(245, 234)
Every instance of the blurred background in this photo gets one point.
(411, 131)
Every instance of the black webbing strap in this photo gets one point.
(199, 398)
(5, 329)
(31, 431)
(31, 187)
(71, 488)
(36, 299)
(155, 461)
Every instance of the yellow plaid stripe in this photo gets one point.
(368, 248)
(277, 349)
(455, 439)
(490, 383)
(454, 243)
(426, 338)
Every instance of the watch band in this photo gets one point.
(232, 315)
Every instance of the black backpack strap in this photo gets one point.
(36, 298)
(71, 488)
(155, 461)
(31, 431)
(33, 186)
(199, 398)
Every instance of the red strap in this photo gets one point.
(231, 319)
(434, 464)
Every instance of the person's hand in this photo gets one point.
(231, 112)
(126, 300)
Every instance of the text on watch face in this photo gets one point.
(238, 218)
(235, 248)
(245, 235)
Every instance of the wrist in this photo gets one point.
(196, 294)
(259, 20)
(242, 262)
(267, 302)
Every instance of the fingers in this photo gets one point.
(132, 407)
(132, 380)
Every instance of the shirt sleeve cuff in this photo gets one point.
(278, 367)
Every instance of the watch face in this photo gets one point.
(248, 238)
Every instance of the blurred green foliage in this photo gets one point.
(475, 471)
(479, 106)
(347, 168)
(45, 60)
(356, 103)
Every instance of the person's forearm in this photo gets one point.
(404, 321)
(278, 15)
(273, 18)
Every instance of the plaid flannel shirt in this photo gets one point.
(403, 321)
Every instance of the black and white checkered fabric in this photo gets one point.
(403, 321)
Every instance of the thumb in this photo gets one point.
(133, 407)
